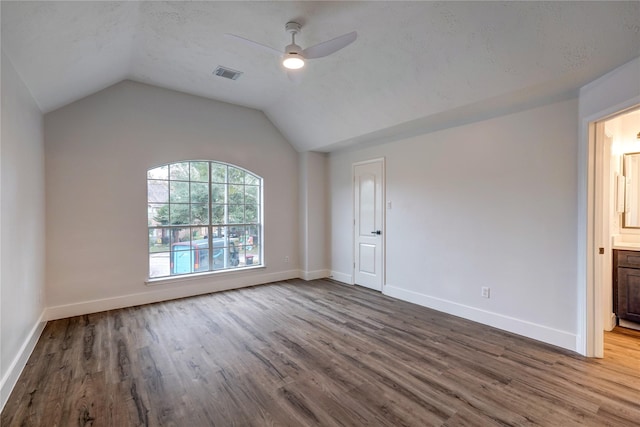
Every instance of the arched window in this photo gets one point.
(203, 216)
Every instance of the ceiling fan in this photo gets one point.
(294, 57)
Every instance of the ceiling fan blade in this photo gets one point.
(253, 44)
(330, 46)
(295, 76)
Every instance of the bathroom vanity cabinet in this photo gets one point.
(626, 285)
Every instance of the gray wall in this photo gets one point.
(21, 226)
(97, 153)
(314, 223)
(492, 203)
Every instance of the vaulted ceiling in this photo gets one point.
(415, 65)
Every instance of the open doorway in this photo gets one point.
(616, 224)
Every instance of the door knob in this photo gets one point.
(378, 232)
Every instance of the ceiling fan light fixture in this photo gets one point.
(293, 61)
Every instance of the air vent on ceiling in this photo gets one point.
(227, 73)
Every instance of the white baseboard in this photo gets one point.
(342, 277)
(313, 275)
(630, 325)
(159, 293)
(610, 322)
(18, 363)
(511, 324)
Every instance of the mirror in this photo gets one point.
(632, 196)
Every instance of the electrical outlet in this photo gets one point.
(286, 258)
(486, 292)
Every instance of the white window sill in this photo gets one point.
(196, 276)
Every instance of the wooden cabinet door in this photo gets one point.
(629, 294)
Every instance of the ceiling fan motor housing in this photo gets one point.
(293, 27)
(293, 49)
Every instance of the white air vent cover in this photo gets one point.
(227, 73)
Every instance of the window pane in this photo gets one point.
(159, 264)
(200, 259)
(199, 192)
(220, 254)
(161, 172)
(200, 171)
(254, 234)
(158, 214)
(200, 244)
(251, 194)
(179, 214)
(157, 191)
(241, 241)
(236, 176)
(251, 213)
(217, 214)
(251, 255)
(236, 214)
(158, 240)
(199, 213)
(219, 232)
(179, 171)
(217, 193)
(236, 194)
(179, 239)
(179, 192)
(233, 253)
(182, 261)
(237, 232)
(251, 179)
(199, 233)
(218, 173)
(234, 232)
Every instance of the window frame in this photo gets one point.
(234, 239)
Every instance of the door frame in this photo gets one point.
(600, 218)
(590, 339)
(383, 219)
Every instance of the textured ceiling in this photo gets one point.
(415, 65)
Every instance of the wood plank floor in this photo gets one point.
(313, 353)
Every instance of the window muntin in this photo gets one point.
(197, 205)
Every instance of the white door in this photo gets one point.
(368, 223)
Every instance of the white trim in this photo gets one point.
(195, 276)
(313, 275)
(165, 294)
(583, 234)
(342, 277)
(19, 362)
(629, 325)
(611, 322)
(365, 162)
(600, 217)
(535, 331)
